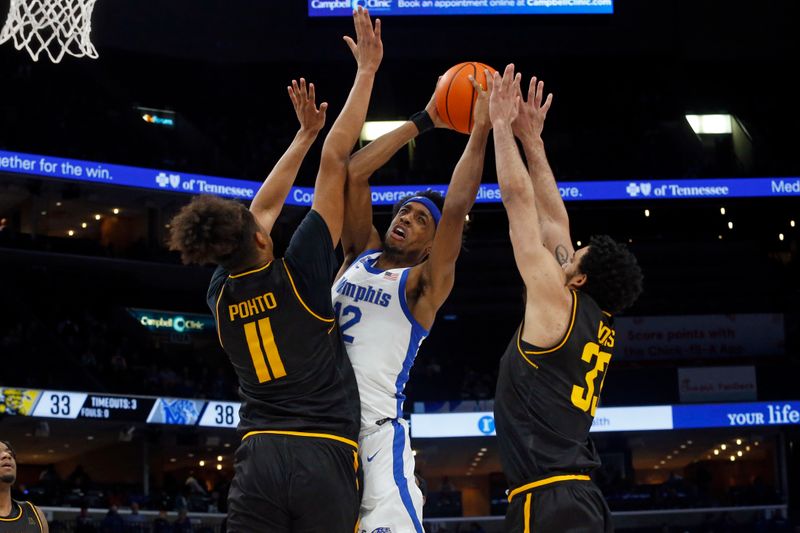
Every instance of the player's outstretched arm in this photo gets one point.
(553, 217)
(329, 188)
(269, 199)
(358, 233)
(438, 272)
(538, 269)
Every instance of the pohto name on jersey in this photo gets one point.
(359, 293)
(253, 306)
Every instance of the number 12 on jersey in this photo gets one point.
(355, 317)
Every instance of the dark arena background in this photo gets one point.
(114, 390)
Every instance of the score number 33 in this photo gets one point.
(584, 398)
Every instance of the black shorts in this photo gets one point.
(286, 483)
(567, 507)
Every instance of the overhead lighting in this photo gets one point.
(663, 462)
(71, 233)
(44, 213)
(58, 204)
(115, 210)
(669, 457)
(474, 464)
(578, 243)
(747, 448)
(756, 443)
(190, 455)
(227, 445)
(723, 446)
(173, 460)
(738, 442)
(780, 236)
(791, 223)
(688, 442)
(733, 457)
(202, 463)
(730, 225)
(657, 467)
(721, 210)
(219, 458)
(480, 454)
(647, 212)
(97, 217)
(720, 237)
(219, 467)
(716, 452)
(710, 124)
(484, 449)
(469, 473)
(739, 453)
(375, 128)
(683, 446)
(89, 437)
(84, 225)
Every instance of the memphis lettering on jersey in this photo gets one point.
(360, 293)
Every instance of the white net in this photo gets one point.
(56, 27)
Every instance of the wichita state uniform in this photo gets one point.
(22, 519)
(544, 407)
(297, 467)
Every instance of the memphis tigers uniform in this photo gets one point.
(544, 407)
(382, 338)
(297, 467)
(22, 519)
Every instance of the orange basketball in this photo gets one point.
(455, 96)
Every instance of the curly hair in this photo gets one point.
(10, 448)
(613, 276)
(433, 196)
(213, 230)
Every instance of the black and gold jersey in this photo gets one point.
(22, 519)
(546, 398)
(276, 323)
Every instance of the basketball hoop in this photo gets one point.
(56, 27)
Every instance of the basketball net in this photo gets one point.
(56, 27)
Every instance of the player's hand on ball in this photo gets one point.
(504, 99)
(434, 113)
(368, 47)
(532, 113)
(304, 101)
(481, 112)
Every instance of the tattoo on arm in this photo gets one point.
(561, 254)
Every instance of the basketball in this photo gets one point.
(455, 96)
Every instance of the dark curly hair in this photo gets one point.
(214, 230)
(10, 448)
(433, 196)
(613, 276)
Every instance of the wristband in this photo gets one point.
(423, 121)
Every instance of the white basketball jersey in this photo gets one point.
(380, 333)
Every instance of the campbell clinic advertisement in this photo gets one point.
(699, 336)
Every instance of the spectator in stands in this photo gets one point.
(183, 523)
(193, 485)
(112, 523)
(161, 524)
(135, 522)
(84, 523)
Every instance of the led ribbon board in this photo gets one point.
(15, 401)
(178, 182)
(382, 8)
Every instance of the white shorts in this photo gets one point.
(392, 502)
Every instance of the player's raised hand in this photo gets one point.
(304, 101)
(368, 47)
(433, 112)
(481, 111)
(504, 98)
(532, 113)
